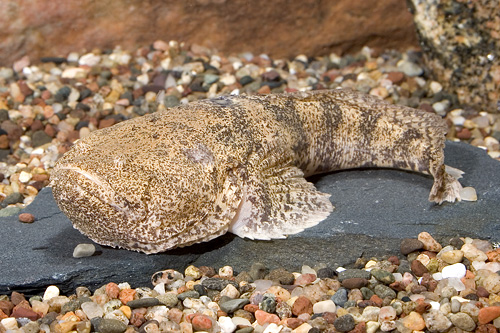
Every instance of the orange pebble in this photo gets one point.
(126, 295)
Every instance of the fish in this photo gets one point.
(238, 164)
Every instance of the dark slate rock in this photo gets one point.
(375, 210)
(40, 138)
(383, 276)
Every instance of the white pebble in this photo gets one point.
(230, 291)
(89, 59)
(226, 325)
(308, 270)
(468, 194)
(9, 323)
(51, 291)
(273, 328)
(227, 79)
(160, 288)
(435, 305)
(226, 272)
(92, 309)
(454, 271)
(456, 284)
(241, 321)
(83, 250)
(25, 177)
(435, 87)
(324, 306)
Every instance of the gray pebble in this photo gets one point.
(384, 291)
(40, 138)
(143, 302)
(268, 303)
(188, 294)
(455, 305)
(168, 299)
(11, 199)
(344, 323)
(31, 327)
(217, 284)
(383, 276)
(462, 321)
(83, 250)
(258, 271)
(9, 211)
(248, 329)
(282, 276)
(170, 101)
(104, 325)
(409, 245)
(354, 273)
(340, 297)
(232, 305)
(367, 293)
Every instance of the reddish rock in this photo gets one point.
(106, 123)
(4, 141)
(359, 328)
(329, 317)
(201, 323)
(22, 312)
(40, 177)
(488, 328)
(264, 317)
(482, 292)
(137, 317)
(175, 315)
(112, 290)
(395, 77)
(126, 295)
(305, 279)
(494, 255)
(488, 314)
(265, 89)
(393, 260)
(464, 134)
(40, 28)
(25, 90)
(302, 305)
(13, 130)
(418, 268)
(26, 218)
(3, 315)
(377, 300)
(251, 308)
(293, 323)
(50, 130)
(6, 307)
(354, 283)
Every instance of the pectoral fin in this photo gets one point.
(277, 200)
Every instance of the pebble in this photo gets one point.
(409, 245)
(457, 270)
(429, 243)
(436, 321)
(344, 323)
(83, 250)
(324, 306)
(232, 305)
(340, 297)
(488, 314)
(143, 302)
(414, 321)
(26, 218)
(462, 321)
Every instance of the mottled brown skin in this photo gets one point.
(192, 173)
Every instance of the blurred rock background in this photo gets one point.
(279, 28)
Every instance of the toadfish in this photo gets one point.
(238, 164)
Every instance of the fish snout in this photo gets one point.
(96, 208)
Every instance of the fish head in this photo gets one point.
(148, 200)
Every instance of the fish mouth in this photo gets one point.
(95, 208)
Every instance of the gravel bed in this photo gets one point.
(48, 104)
(427, 287)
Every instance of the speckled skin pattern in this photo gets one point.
(192, 173)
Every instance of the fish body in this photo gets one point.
(237, 163)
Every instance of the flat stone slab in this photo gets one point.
(375, 209)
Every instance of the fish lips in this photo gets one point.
(94, 207)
